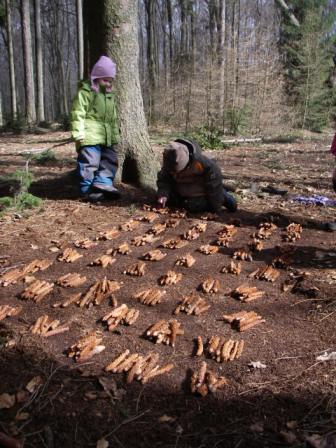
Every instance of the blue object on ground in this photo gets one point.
(315, 200)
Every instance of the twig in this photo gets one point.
(327, 316)
(280, 380)
(125, 422)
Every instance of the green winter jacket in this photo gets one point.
(94, 117)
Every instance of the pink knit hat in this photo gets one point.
(103, 68)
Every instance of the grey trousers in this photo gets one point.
(97, 166)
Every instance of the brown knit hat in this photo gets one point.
(175, 157)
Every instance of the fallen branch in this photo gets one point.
(69, 255)
(192, 304)
(150, 296)
(243, 320)
(210, 285)
(187, 260)
(203, 381)
(99, 291)
(86, 347)
(137, 269)
(164, 332)
(242, 140)
(171, 278)
(246, 293)
(121, 315)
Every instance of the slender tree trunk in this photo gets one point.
(234, 53)
(80, 38)
(151, 60)
(28, 63)
(292, 17)
(170, 25)
(119, 26)
(11, 59)
(221, 55)
(165, 48)
(193, 21)
(212, 51)
(237, 56)
(39, 63)
(1, 113)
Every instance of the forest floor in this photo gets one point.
(289, 400)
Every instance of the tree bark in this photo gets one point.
(28, 63)
(1, 113)
(137, 161)
(221, 54)
(151, 59)
(292, 17)
(39, 62)
(11, 59)
(170, 25)
(80, 38)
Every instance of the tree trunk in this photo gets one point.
(137, 161)
(1, 113)
(221, 55)
(170, 25)
(80, 38)
(39, 63)
(11, 59)
(237, 51)
(292, 17)
(28, 63)
(151, 59)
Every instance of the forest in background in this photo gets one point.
(225, 66)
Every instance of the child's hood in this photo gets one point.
(84, 84)
(192, 145)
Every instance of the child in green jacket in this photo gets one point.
(95, 129)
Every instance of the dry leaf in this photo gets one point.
(102, 443)
(54, 249)
(316, 441)
(257, 365)
(292, 424)
(91, 395)
(289, 437)
(9, 442)
(34, 383)
(327, 357)
(21, 396)
(7, 401)
(166, 419)
(110, 387)
(257, 427)
(21, 416)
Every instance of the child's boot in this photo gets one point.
(109, 192)
(93, 197)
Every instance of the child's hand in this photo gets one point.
(162, 201)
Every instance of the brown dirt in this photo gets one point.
(257, 404)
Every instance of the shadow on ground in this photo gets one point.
(72, 410)
(65, 187)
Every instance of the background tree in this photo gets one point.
(308, 61)
(39, 63)
(80, 38)
(28, 63)
(11, 59)
(218, 66)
